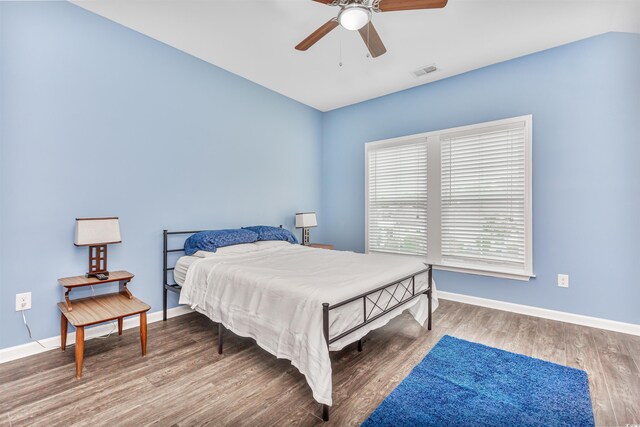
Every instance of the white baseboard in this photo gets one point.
(53, 343)
(578, 319)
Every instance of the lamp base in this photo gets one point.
(98, 262)
(305, 236)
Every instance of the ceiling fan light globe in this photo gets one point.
(354, 17)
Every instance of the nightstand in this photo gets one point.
(320, 246)
(89, 311)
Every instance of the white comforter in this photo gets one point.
(275, 296)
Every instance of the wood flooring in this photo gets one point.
(184, 382)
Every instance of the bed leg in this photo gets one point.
(164, 304)
(429, 321)
(220, 334)
(325, 412)
(429, 290)
(360, 345)
(325, 331)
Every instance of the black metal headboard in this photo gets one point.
(173, 287)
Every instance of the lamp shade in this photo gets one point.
(97, 231)
(306, 219)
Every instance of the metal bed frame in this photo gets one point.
(408, 291)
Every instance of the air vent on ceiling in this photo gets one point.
(423, 71)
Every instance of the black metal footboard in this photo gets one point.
(372, 311)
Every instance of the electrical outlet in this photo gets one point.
(23, 301)
(563, 280)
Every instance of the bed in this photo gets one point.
(298, 302)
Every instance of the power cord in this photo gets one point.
(24, 319)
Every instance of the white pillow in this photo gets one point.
(229, 250)
(266, 244)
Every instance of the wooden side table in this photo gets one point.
(102, 308)
(320, 245)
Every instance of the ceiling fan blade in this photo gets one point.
(317, 34)
(324, 1)
(393, 5)
(372, 40)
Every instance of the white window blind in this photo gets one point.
(477, 216)
(483, 194)
(397, 198)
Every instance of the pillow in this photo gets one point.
(272, 233)
(242, 248)
(266, 244)
(211, 240)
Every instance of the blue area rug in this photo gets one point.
(460, 383)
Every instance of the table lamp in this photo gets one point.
(97, 233)
(305, 220)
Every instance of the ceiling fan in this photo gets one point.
(356, 15)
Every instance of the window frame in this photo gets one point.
(434, 197)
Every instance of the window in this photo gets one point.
(397, 198)
(460, 198)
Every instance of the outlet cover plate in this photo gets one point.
(563, 280)
(23, 301)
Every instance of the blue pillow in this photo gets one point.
(213, 239)
(272, 233)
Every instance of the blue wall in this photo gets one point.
(585, 101)
(100, 120)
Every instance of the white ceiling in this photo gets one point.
(255, 39)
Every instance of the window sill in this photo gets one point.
(505, 274)
(500, 274)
